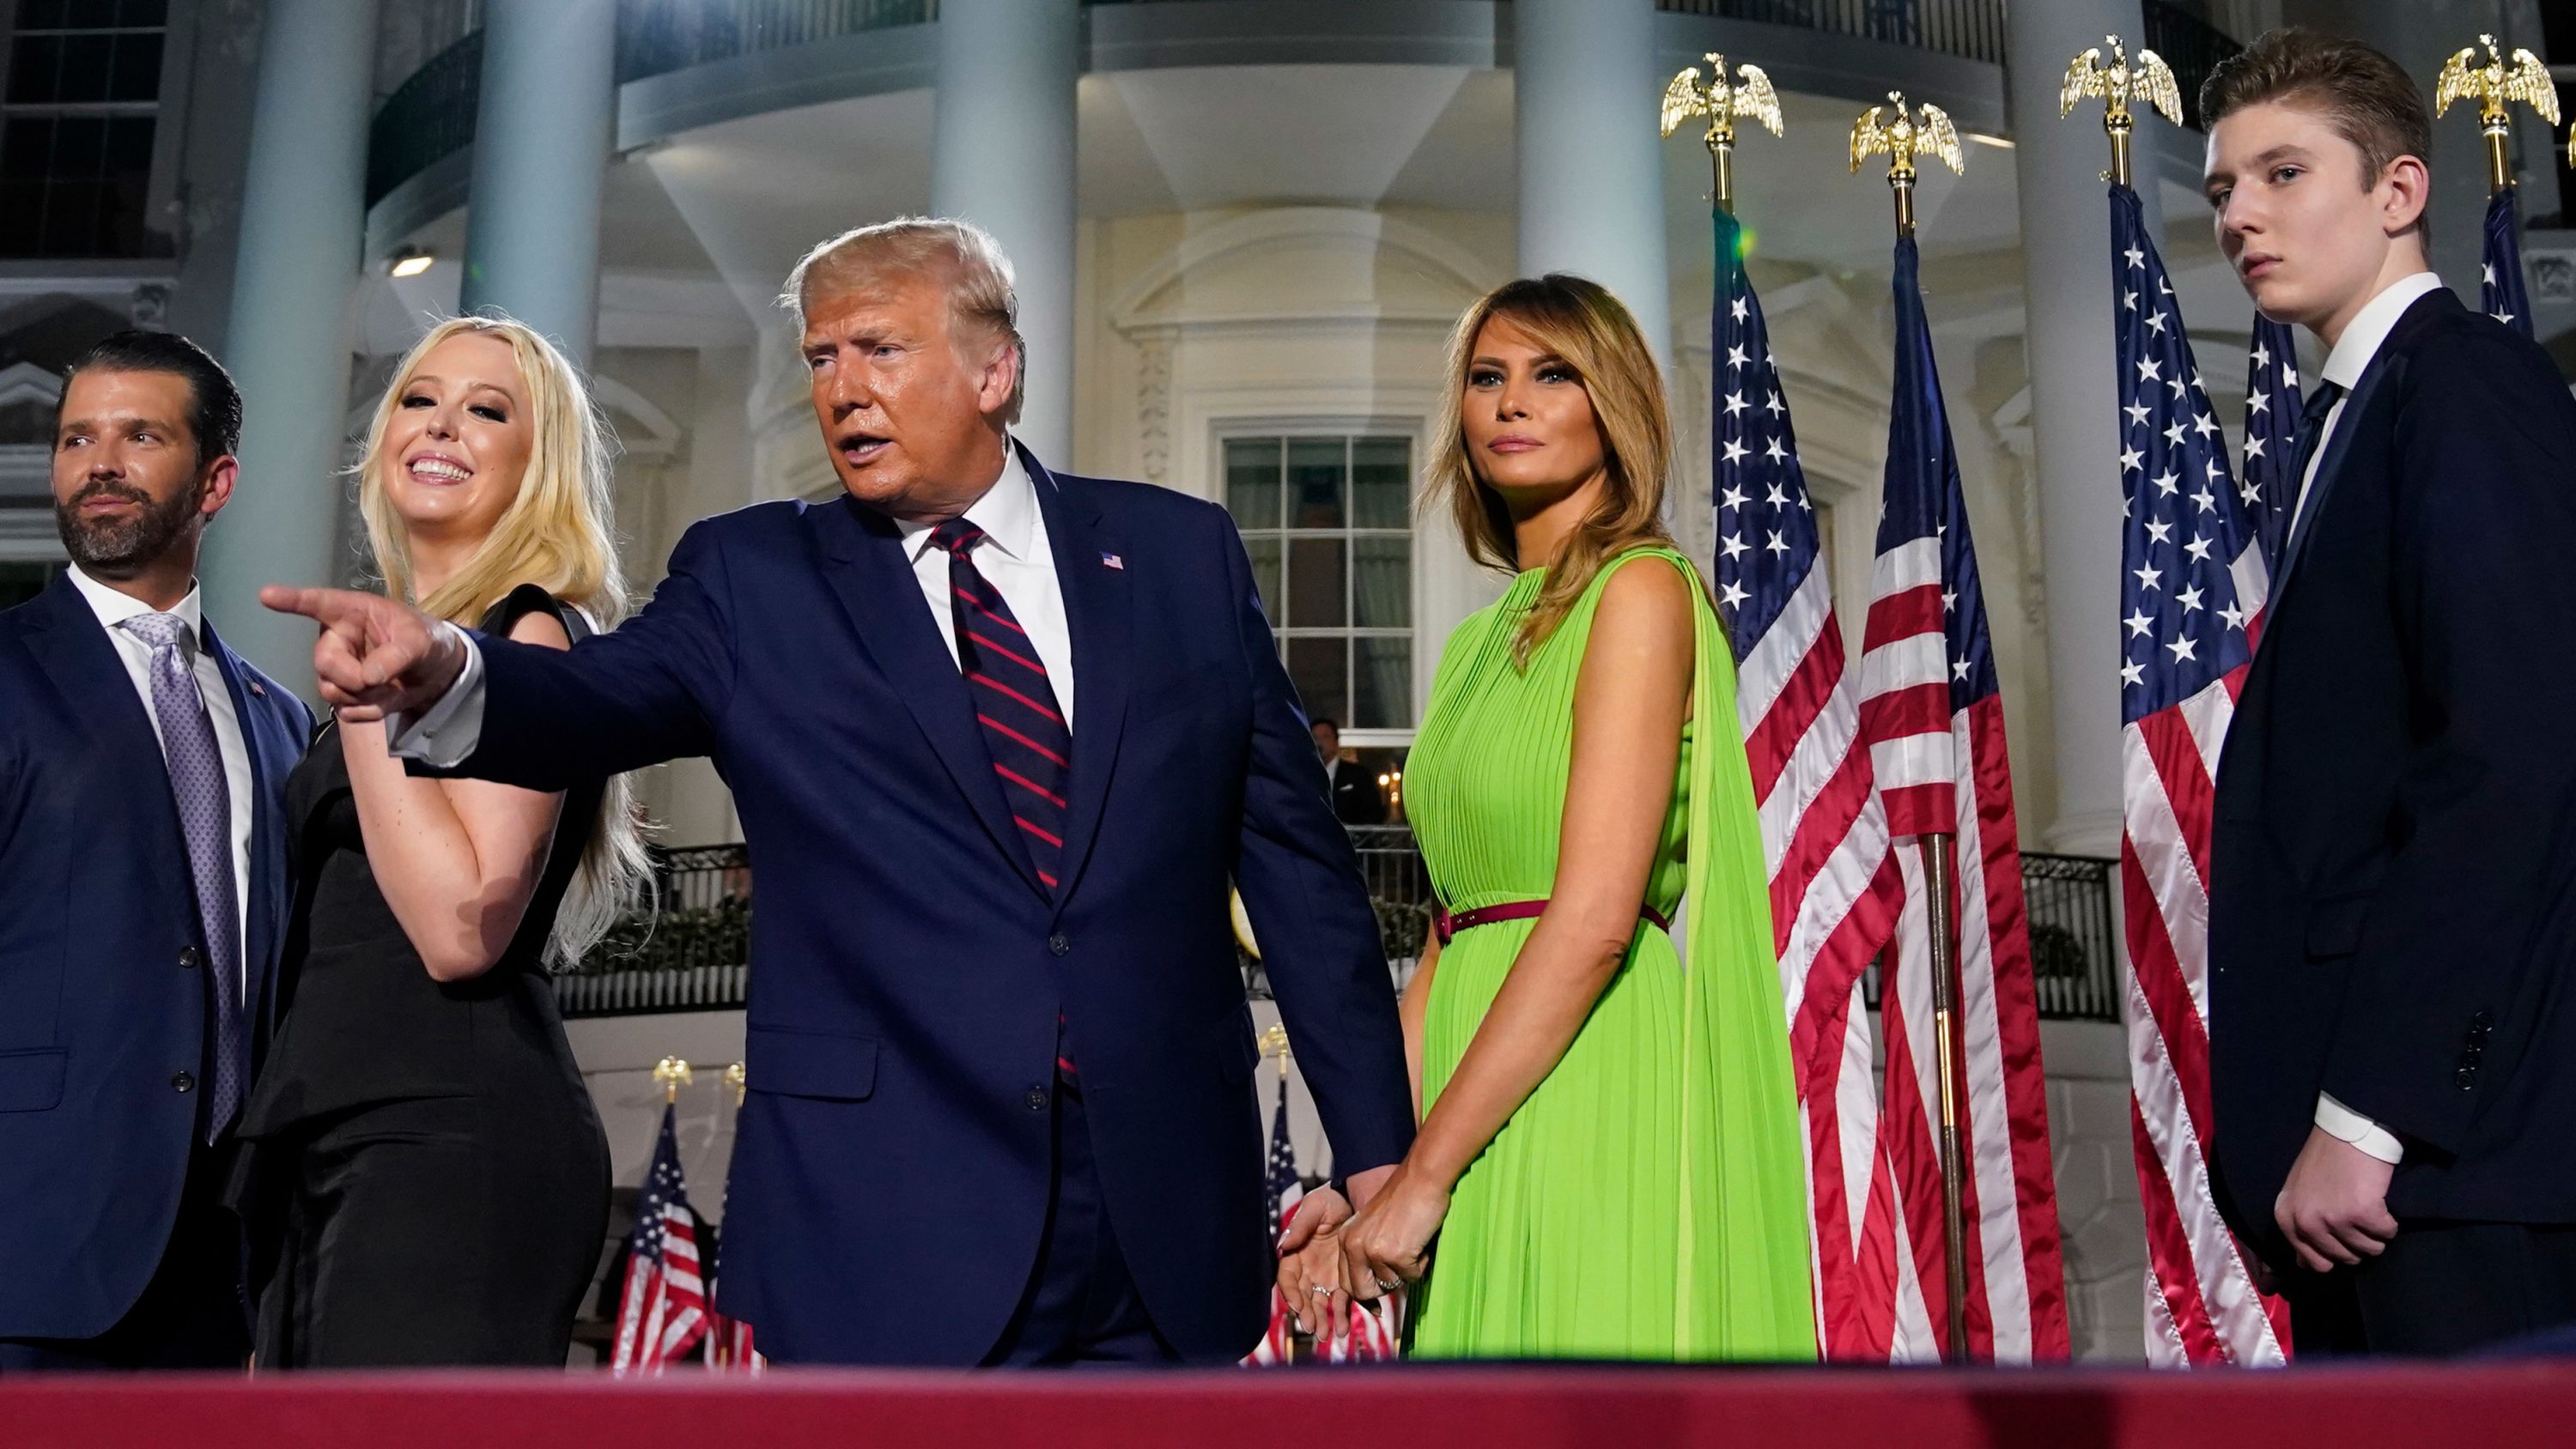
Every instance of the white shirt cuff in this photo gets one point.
(2346, 1125)
(442, 735)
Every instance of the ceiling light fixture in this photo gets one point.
(411, 262)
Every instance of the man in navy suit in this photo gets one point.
(2392, 996)
(142, 886)
(999, 737)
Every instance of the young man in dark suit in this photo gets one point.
(142, 887)
(2393, 902)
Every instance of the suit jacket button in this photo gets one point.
(189, 959)
(183, 1082)
(2466, 1077)
(1036, 1099)
(2482, 1021)
(1058, 944)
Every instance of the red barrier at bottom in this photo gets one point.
(1399, 1408)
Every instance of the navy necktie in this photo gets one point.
(206, 821)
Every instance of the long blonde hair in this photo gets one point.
(1591, 332)
(555, 534)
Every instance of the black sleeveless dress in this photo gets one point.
(428, 1182)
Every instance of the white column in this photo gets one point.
(1002, 157)
(2066, 260)
(287, 346)
(1591, 170)
(541, 137)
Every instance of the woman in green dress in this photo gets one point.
(1609, 1160)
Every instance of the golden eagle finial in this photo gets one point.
(1923, 130)
(2495, 86)
(1748, 97)
(2146, 79)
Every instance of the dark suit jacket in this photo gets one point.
(97, 1015)
(891, 1172)
(2393, 903)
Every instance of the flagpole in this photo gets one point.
(1748, 96)
(1927, 131)
(2495, 86)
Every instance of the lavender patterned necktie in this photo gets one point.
(206, 819)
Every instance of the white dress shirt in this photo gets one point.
(114, 608)
(1014, 557)
(2351, 357)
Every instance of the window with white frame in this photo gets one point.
(1327, 521)
(82, 96)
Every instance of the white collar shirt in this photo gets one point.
(1015, 558)
(114, 608)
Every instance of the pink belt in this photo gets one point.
(1447, 925)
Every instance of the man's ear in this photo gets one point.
(1001, 378)
(2405, 186)
(217, 489)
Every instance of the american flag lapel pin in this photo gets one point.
(1113, 561)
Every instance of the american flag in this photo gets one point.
(2271, 488)
(2191, 601)
(729, 1347)
(1834, 885)
(663, 1310)
(2500, 292)
(1285, 1190)
(1932, 714)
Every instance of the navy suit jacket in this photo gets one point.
(893, 1159)
(97, 1014)
(2393, 893)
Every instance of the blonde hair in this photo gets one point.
(1589, 331)
(556, 534)
(963, 257)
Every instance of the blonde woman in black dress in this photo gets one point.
(430, 1183)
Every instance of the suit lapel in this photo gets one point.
(2384, 364)
(267, 888)
(77, 655)
(878, 589)
(1099, 613)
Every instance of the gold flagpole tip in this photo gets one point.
(1748, 97)
(671, 1074)
(738, 1078)
(2495, 85)
(2117, 84)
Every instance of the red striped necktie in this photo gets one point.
(1024, 728)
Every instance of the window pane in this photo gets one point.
(1318, 668)
(1385, 685)
(1252, 481)
(27, 148)
(137, 76)
(129, 147)
(1315, 482)
(1381, 482)
(71, 219)
(143, 12)
(32, 63)
(22, 215)
(1382, 583)
(39, 14)
(1315, 569)
(86, 59)
(1265, 573)
(80, 148)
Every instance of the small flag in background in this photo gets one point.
(663, 1309)
(2500, 290)
(2193, 585)
(1931, 710)
(729, 1340)
(2271, 486)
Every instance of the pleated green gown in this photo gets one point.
(1648, 1200)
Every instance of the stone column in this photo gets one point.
(541, 139)
(287, 345)
(1002, 157)
(2074, 403)
(1591, 171)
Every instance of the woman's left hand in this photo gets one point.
(1389, 1243)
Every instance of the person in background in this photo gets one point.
(1610, 1155)
(2392, 990)
(142, 886)
(1356, 797)
(430, 1183)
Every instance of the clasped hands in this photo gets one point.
(1332, 1255)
